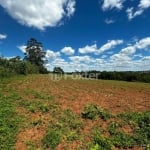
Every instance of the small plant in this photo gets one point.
(122, 140)
(72, 136)
(32, 108)
(141, 123)
(112, 128)
(100, 142)
(92, 111)
(52, 139)
(31, 145)
(71, 120)
(43, 107)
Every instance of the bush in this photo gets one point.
(52, 139)
(4, 72)
(92, 111)
(100, 142)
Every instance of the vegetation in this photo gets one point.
(35, 54)
(10, 121)
(53, 116)
(58, 70)
(92, 111)
(141, 76)
(33, 62)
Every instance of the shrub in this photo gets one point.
(100, 142)
(52, 139)
(92, 111)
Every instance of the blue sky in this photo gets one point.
(80, 35)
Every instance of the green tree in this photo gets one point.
(35, 54)
(58, 70)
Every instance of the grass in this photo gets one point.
(10, 122)
(71, 114)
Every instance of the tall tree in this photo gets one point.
(58, 70)
(35, 54)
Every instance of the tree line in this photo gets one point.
(140, 76)
(32, 63)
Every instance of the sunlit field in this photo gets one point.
(71, 113)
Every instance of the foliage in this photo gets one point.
(35, 54)
(14, 66)
(124, 76)
(100, 142)
(9, 121)
(33, 62)
(92, 111)
(141, 123)
(52, 138)
(58, 70)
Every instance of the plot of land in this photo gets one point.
(38, 112)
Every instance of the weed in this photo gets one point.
(100, 142)
(31, 145)
(32, 108)
(92, 111)
(122, 140)
(72, 136)
(9, 121)
(43, 107)
(71, 120)
(141, 124)
(52, 138)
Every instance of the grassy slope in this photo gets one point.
(37, 112)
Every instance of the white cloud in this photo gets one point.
(71, 7)
(143, 43)
(52, 55)
(109, 45)
(3, 36)
(144, 4)
(88, 49)
(132, 14)
(120, 57)
(40, 13)
(109, 21)
(77, 59)
(22, 48)
(68, 50)
(93, 48)
(110, 4)
(128, 50)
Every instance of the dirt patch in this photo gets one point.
(117, 97)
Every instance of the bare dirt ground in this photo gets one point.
(116, 96)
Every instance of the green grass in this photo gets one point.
(10, 122)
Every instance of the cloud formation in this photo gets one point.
(40, 13)
(68, 50)
(109, 21)
(22, 48)
(109, 45)
(52, 55)
(3, 36)
(86, 59)
(143, 5)
(110, 4)
(88, 49)
(94, 49)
